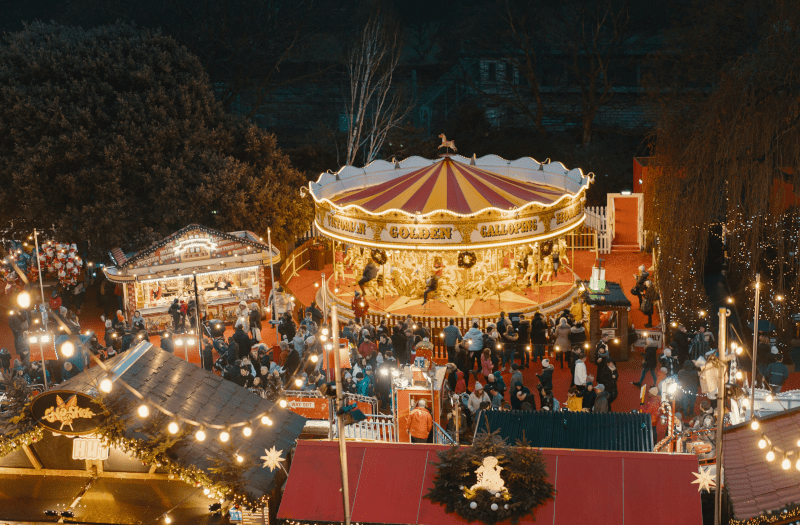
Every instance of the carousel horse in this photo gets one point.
(374, 289)
(495, 286)
(350, 258)
(562, 250)
(451, 144)
(388, 282)
(533, 270)
(547, 269)
(338, 266)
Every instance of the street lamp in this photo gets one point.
(24, 300)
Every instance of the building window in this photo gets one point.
(492, 72)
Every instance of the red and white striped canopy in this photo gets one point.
(450, 186)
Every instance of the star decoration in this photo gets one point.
(704, 479)
(273, 459)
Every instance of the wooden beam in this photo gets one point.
(32, 457)
(82, 473)
(152, 469)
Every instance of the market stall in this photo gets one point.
(227, 268)
(481, 235)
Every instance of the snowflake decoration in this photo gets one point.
(704, 479)
(273, 459)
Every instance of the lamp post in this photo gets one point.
(271, 307)
(41, 280)
(339, 422)
(41, 338)
(721, 391)
(754, 352)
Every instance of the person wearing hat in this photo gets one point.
(650, 362)
(546, 377)
(601, 400)
(360, 307)
(55, 302)
(366, 348)
(477, 397)
(653, 407)
(776, 372)
(648, 305)
(495, 396)
(420, 423)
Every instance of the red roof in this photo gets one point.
(387, 482)
(452, 186)
(755, 484)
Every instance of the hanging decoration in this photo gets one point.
(467, 260)
(61, 261)
(704, 480)
(491, 481)
(273, 459)
(379, 256)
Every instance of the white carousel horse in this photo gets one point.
(532, 271)
(547, 269)
(447, 143)
(562, 251)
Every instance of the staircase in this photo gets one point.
(626, 225)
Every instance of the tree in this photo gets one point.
(723, 152)
(374, 106)
(590, 38)
(113, 135)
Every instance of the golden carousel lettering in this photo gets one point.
(402, 232)
(568, 214)
(508, 229)
(353, 227)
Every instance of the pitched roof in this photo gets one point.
(452, 186)
(388, 482)
(240, 237)
(574, 430)
(196, 394)
(757, 486)
(615, 298)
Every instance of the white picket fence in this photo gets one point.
(597, 219)
(377, 427)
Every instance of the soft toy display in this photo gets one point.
(57, 260)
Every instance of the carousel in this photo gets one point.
(452, 236)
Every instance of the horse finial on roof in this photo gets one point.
(447, 144)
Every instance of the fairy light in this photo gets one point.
(224, 436)
(247, 431)
(200, 435)
(771, 455)
(143, 411)
(173, 427)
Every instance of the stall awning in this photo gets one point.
(387, 483)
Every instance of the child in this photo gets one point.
(574, 403)
(486, 363)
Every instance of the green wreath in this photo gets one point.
(523, 472)
(467, 260)
(379, 256)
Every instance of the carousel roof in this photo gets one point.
(451, 186)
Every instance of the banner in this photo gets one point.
(317, 407)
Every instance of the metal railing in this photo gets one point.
(376, 427)
(441, 437)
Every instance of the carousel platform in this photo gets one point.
(549, 295)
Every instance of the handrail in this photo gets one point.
(377, 427)
(441, 437)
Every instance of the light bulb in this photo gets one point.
(323, 338)
(730, 300)
(200, 435)
(173, 427)
(739, 375)
(167, 519)
(797, 465)
(314, 358)
(143, 411)
(266, 421)
(672, 388)
(384, 371)
(282, 403)
(754, 425)
(206, 491)
(239, 458)
(673, 324)
(224, 436)
(325, 331)
(739, 350)
(770, 455)
(106, 385)
(24, 300)
(67, 349)
(298, 383)
(585, 345)
(414, 327)
(762, 443)
(247, 431)
(785, 464)
(769, 398)
(745, 402)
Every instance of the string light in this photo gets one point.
(247, 431)
(143, 411)
(200, 435)
(771, 455)
(224, 436)
(173, 427)
(754, 425)
(106, 385)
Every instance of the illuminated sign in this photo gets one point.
(434, 233)
(195, 244)
(348, 226)
(88, 448)
(67, 412)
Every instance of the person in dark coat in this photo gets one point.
(546, 377)
(243, 341)
(175, 311)
(293, 365)
(680, 344)
(518, 394)
(411, 344)
(608, 377)
(167, 344)
(399, 344)
(287, 327)
(650, 362)
(524, 341)
(316, 314)
(5, 360)
(589, 397)
(233, 351)
(538, 336)
(208, 356)
(689, 381)
(370, 273)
